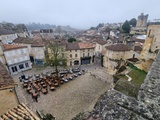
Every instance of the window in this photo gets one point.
(70, 63)
(88, 50)
(83, 50)
(21, 66)
(83, 54)
(14, 69)
(70, 50)
(70, 55)
(26, 64)
(88, 54)
(75, 55)
(75, 50)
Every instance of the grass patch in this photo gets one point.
(131, 88)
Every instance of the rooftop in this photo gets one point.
(12, 47)
(73, 46)
(38, 43)
(21, 112)
(101, 42)
(23, 40)
(86, 45)
(118, 47)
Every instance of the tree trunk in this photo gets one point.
(59, 82)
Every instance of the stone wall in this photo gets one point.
(114, 105)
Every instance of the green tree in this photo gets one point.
(55, 55)
(100, 25)
(133, 22)
(126, 26)
(71, 40)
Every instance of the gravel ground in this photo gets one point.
(68, 100)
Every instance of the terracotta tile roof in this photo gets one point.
(118, 47)
(5, 79)
(21, 112)
(23, 40)
(86, 45)
(11, 47)
(101, 42)
(72, 46)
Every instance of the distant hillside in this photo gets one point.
(38, 26)
(13, 27)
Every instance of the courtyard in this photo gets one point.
(71, 98)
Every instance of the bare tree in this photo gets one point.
(54, 55)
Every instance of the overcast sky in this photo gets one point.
(76, 13)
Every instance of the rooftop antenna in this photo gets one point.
(156, 20)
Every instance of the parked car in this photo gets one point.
(64, 79)
(79, 73)
(70, 78)
(75, 75)
(63, 71)
(70, 71)
(62, 75)
(75, 70)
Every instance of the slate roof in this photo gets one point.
(23, 40)
(118, 47)
(5, 79)
(101, 42)
(21, 112)
(12, 47)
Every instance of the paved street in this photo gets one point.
(71, 98)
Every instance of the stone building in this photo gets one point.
(142, 20)
(17, 58)
(115, 56)
(38, 52)
(99, 46)
(80, 53)
(141, 25)
(7, 36)
(151, 45)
